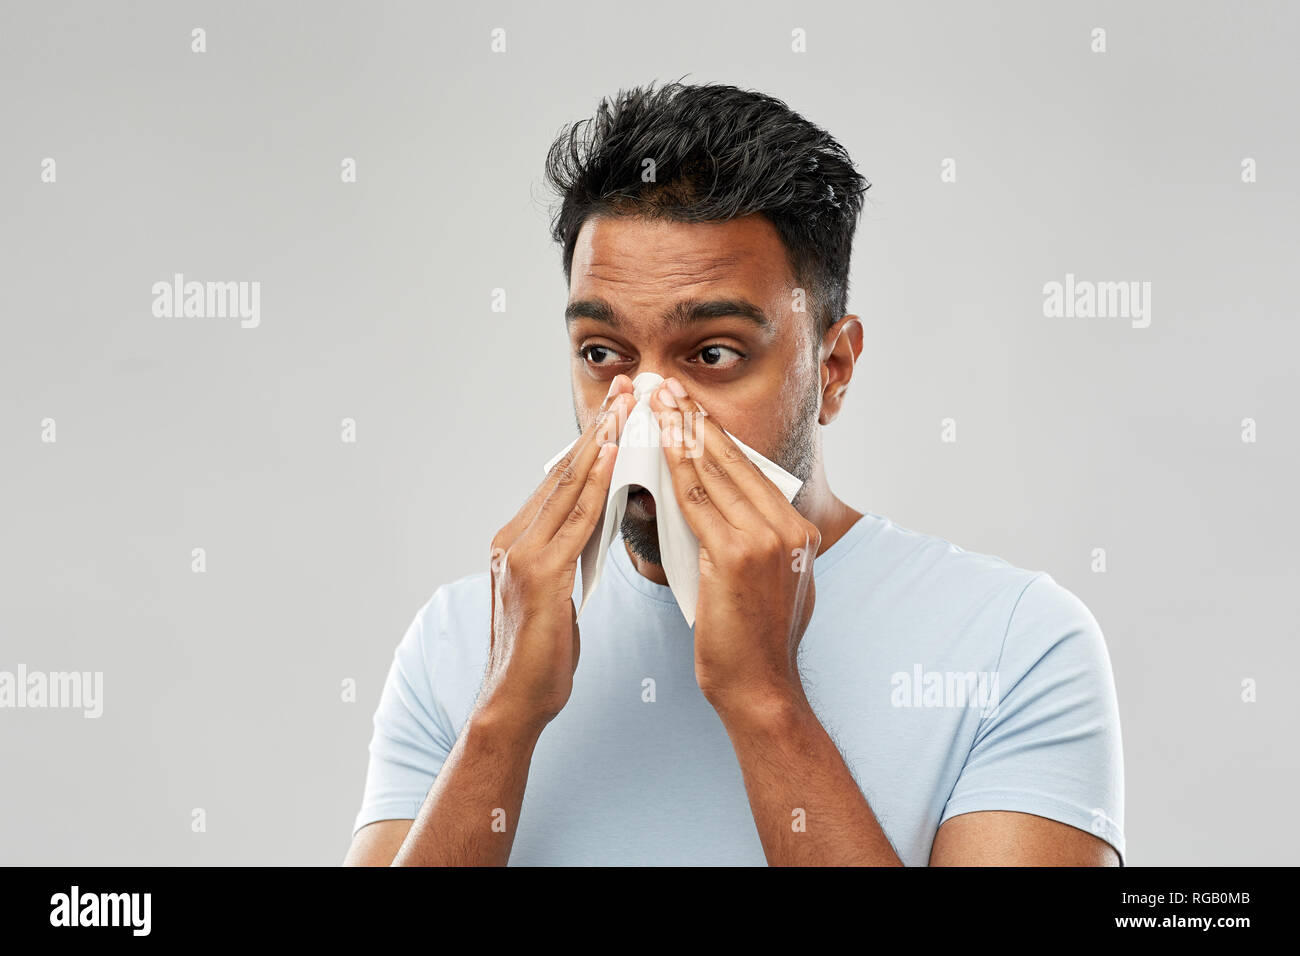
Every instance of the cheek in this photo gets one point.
(767, 423)
(759, 428)
(585, 404)
(801, 389)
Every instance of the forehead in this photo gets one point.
(637, 256)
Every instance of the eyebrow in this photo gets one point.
(680, 316)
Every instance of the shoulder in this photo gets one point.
(941, 588)
(1053, 635)
(457, 610)
(455, 602)
(439, 661)
(925, 569)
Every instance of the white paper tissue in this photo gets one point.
(641, 461)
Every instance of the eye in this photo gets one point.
(597, 354)
(715, 356)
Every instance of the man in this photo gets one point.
(895, 700)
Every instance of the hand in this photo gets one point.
(534, 635)
(756, 560)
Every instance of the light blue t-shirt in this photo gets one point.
(950, 682)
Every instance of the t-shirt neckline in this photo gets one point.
(822, 564)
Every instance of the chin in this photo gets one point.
(642, 538)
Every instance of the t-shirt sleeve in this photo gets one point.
(1051, 745)
(412, 735)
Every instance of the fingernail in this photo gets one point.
(667, 398)
(676, 387)
(606, 449)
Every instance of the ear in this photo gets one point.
(841, 346)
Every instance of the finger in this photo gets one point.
(607, 423)
(697, 507)
(580, 523)
(570, 481)
(762, 490)
(613, 413)
(721, 466)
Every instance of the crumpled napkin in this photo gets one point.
(641, 461)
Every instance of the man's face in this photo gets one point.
(712, 304)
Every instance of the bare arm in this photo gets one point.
(809, 810)
(807, 807)
(754, 605)
(377, 843)
(1006, 838)
(472, 810)
(756, 596)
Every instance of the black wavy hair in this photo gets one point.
(719, 153)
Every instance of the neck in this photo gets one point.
(816, 502)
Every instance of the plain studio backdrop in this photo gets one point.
(225, 691)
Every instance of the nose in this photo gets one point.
(644, 384)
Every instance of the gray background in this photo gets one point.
(222, 690)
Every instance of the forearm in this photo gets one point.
(807, 807)
(472, 810)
